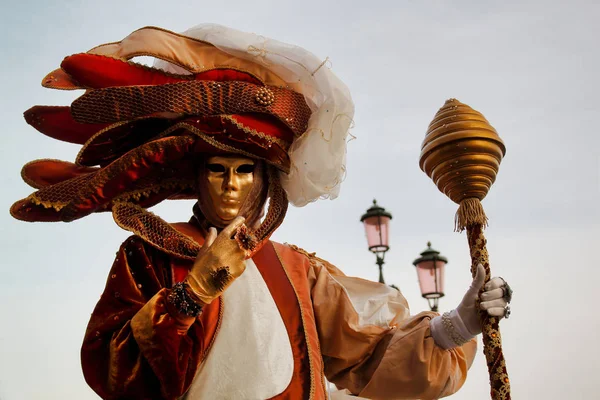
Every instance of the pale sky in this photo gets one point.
(531, 67)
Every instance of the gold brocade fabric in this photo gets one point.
(278, 205)
(144, 175)
(155, 230)
(200, 98)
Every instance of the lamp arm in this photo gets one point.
(379, 261)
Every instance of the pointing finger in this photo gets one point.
(230, 229)
(210, 238)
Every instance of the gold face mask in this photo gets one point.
(229, 181)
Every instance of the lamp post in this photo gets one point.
(376, 221)
(430, 271)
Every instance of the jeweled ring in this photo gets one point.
(506, 312)
(506, 291)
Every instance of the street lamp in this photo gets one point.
(430, 270)
(377, 221)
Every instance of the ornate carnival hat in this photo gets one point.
(211, 90)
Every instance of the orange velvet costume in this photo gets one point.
(139, 148)
(133, 348)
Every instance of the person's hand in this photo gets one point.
(493, 299)
(219, 263)
(458, 326)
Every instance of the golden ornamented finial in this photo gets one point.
(461, 152)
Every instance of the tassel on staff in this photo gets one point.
(470, 212)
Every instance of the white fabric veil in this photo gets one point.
(318, 156)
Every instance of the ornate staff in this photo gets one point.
(461, 153)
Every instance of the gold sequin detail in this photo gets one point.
(264, 97)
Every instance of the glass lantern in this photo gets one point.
(377, 222)
(430, 271)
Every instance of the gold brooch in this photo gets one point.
(264, 97)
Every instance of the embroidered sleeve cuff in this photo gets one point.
(449, 330)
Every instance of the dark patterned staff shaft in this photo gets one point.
(461, 153)
(492, 342)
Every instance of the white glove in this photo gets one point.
(461, 325)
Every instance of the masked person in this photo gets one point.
(211, 309)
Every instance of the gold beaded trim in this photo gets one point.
(264, 97)
(451, 332)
